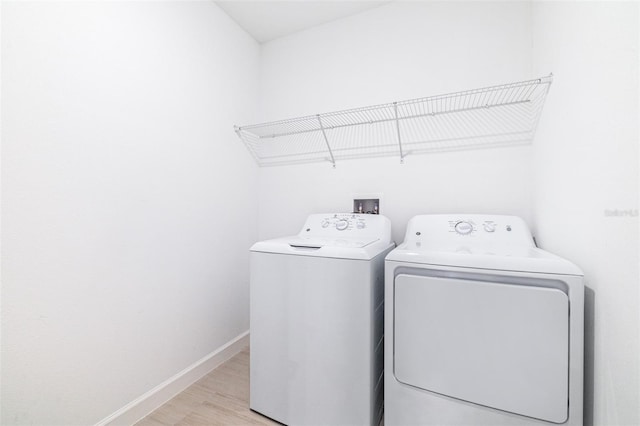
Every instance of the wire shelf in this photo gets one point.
(493, 116)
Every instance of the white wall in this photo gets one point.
(586, 162)
(128, 203)
(399, 51)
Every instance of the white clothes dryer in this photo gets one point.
(481, 327)
(317, 319)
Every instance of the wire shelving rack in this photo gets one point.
(492, 116)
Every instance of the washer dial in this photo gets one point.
(342, 224)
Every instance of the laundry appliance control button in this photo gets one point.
(489, 227)
(463, 227)
(342, 224)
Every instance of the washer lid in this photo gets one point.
(502, 258)
(317, 242)
(357, 249)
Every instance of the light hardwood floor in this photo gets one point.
(219, 398)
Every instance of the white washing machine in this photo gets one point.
(317, 320)
(481, 327)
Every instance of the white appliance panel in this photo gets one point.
(313, 326)
(441, 230)
(499, 345)
(477, 241)
(334, 235)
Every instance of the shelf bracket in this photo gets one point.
(395, 107)
(324, 134)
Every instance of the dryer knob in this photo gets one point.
(463, 227)
(489, 227)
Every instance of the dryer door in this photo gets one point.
(504, 346)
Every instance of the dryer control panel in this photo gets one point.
(470, 229)
(468, 226)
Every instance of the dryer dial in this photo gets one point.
(463, 227)
(489, 227)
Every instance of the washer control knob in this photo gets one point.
(342, 224)
(489, 227)
(463, 227)
(325, 223)
(360, 225)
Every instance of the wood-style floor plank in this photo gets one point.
(219, 398)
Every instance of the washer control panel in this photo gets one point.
(344, 221)
(346, 225)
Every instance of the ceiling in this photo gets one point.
(268, 20)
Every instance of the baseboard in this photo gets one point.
(137, 409)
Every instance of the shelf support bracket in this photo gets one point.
(324, 134)
(395, 107)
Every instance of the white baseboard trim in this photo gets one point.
(137, 409)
